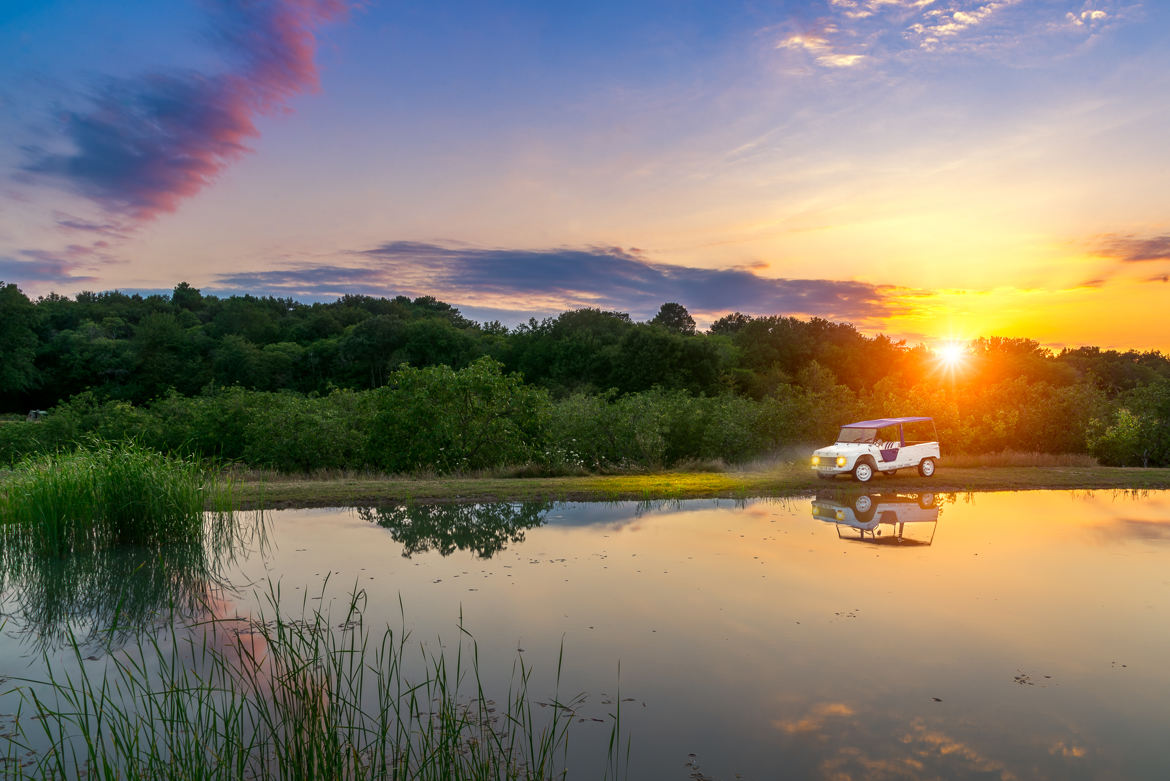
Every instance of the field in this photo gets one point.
(275, 490)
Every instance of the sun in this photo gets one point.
(951, 355)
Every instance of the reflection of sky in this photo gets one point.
(1025, 642)
(921, 168)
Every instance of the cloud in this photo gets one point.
(70, 223)
(819, 47)
(556, 279)
(36, 265)
(854, 31)
(1134, 249)
(147, 143)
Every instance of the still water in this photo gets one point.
(1002, 635)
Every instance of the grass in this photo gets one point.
(316, 697)
(107, 494)
(1005, 472)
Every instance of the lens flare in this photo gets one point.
(951, 355)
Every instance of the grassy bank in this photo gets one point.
(106, 494)
(276, 490)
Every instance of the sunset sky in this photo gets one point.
(922, 168)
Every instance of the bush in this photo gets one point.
(444, 420)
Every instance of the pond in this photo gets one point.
(1006, 635)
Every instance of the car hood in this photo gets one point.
(843, 449)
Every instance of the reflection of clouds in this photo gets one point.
(1060, 748)
(932, 744)
(815, 719)
(869, 745)
(1138, 529)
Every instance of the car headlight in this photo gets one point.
(816, 460)
(841, 460)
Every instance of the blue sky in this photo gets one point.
(922, 168)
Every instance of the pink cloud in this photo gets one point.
(148, 143)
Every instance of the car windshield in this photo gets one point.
(856, 434)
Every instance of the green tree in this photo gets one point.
(675, 317)
(18, 336)
(445, 420)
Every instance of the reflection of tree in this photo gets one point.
(106, 596)
(485, 529)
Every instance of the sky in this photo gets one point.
(927, 169)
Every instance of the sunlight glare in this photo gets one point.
(951, 355)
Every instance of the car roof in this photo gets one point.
(882, 422)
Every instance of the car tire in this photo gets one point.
(863, 471)
(926, 467)
(890, 472)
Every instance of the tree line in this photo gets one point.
(369, 382)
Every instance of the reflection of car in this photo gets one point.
(863, 517)
(881, 446)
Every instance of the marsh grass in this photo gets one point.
(315, 697)
(108, 494)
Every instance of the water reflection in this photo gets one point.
(101, 598)
(882, 519)
(483, 529)
(1028, 641)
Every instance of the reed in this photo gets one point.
(107, 494)
(314, 697)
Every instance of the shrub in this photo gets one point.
(444, 420)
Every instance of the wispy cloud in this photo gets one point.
(557, 279)
(1134, 249)
(35, 265)
(851, 32)
(820, 48)
(147, 143)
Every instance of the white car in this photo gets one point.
(883, 446)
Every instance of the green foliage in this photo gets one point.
(445, 420)
(675, 317)
(106, 495)
(254, 379)
(1137, 434)
(17, 323)
(1124, 440)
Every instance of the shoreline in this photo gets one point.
(306, 491)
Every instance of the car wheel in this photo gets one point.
(926, 501)
(862, 504)
(926, 467)
(890, 472)
(863, 472)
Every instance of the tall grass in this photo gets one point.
(292, 699)
(107, 494)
